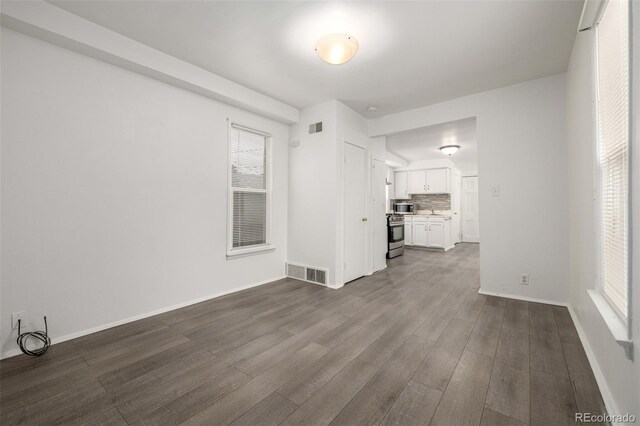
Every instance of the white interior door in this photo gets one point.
(355, 218)
(455, 207)
(379, 214)
(470, 213)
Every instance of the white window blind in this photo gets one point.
(613, 139)
(249, 187)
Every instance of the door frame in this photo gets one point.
(372, 245)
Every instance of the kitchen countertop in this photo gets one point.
(428, 215)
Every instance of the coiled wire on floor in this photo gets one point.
(42, 336)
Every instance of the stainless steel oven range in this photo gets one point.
(395, 235)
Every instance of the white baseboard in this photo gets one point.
(607, 396)
(16, 351)
(526, 299)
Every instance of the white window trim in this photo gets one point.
(618, 325)
(259, 248)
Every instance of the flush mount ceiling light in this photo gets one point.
(337, 49)
(449, 149)
(372, 108)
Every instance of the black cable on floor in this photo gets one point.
(42, 336)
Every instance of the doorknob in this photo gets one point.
(364, 219)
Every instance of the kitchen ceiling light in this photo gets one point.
(372, 108)
(449, 149)
(337, 49)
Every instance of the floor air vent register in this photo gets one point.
(305, 273)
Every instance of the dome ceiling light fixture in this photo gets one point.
(449, 149)
(337, 49)
(372, 108)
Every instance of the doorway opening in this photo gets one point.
(436, 191)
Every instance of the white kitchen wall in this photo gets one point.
(618, 377)
(521, 150)
(114, 193)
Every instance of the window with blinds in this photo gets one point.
(613, 139)
(249, 201)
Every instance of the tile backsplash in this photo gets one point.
(429, 202)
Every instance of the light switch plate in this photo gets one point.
(495, 191)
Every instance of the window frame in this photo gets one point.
(617, 321)
(267, 245)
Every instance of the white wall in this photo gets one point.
(618, 377)
(468, 169)
(312, 191)
(378, 148)
(114, 192)
(352, 128)
(427, 164)
(521, 148)
(54, 25)
(316, 225)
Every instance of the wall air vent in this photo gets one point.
(316, 276)
(295, 271)
(315, 127)
(305, 273)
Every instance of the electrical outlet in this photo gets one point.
(524, 279)
(22, 316)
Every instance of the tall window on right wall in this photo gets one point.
(612, 53)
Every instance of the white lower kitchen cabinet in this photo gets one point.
(431, 232)
(436, 234)
(408, 232)
(420, 233)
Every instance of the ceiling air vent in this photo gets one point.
(304, 273)
(315, 128)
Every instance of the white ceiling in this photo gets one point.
(411, 53)
(424, 143)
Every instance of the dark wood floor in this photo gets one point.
(412, 345)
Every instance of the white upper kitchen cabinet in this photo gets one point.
(429, 181)
(400, 184)
(417, 182)
(437, 181)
